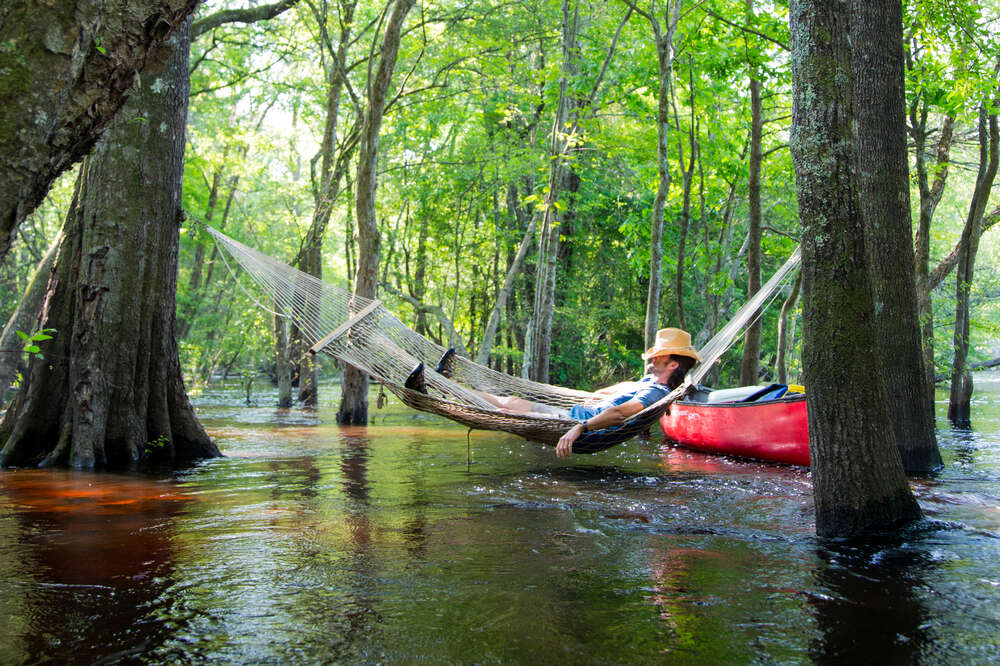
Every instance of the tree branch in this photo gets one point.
(744, 28)
(974, 366)
(262, 13)
(948, 263)
(454, 339)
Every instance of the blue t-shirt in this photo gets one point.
(645, 391)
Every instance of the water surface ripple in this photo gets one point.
(408, 541)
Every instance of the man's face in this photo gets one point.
(661, 367)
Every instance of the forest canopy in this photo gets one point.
(480, 90)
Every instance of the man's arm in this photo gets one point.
(610, 417)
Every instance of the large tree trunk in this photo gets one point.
(884, 185)
(354, 401)
(858, 479)
(750, 363)
(70, 68)
(961, 381)
(109, 390)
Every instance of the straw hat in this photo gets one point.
(671, 341)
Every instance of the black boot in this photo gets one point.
(415, 381)
(447, 363)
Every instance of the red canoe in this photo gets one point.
(743, 422)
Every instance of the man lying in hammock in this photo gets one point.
(667, 362)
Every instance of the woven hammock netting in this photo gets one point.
(363, 333)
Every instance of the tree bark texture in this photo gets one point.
(750, 364)
(354, 400)
(989, 145)
(858, 479)
(884, 186)
(65, 71)
(109, 389)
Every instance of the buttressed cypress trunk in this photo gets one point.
(858, 480)
(109, 389)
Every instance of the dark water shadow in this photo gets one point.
(96, 555)
(868, 599)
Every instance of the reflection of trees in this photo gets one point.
(359, 609)
(415, 524)
(95, 555)
(867, 607)
(964, 446)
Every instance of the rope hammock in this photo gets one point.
(361, 332)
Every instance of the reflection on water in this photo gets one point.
(314, 543)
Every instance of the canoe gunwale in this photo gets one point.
(770, 430)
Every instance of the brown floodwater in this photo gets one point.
(406, 541)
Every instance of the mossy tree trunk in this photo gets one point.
(65, 70)
(109, 389)
(858, 479)
(884, 182)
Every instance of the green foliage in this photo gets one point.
(154, 446)
(31, 340)
(464, 157)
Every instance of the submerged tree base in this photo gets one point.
(869, 517)
(107, 389)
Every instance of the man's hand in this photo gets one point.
(565, 446)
